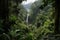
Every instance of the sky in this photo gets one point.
(28, 1)
(27, 4)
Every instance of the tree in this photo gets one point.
(57, 17)
(4, 10)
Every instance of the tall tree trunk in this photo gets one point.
(57, 16)
(4, 11)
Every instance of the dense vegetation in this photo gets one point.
(41, 20)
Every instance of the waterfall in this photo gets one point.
(27, 21)
(27, 5)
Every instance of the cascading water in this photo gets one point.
(27, 5)
(27, 21)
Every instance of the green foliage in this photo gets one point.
(12, 18)
(41, 11)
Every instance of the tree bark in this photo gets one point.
(4, 11)
(57, 16)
